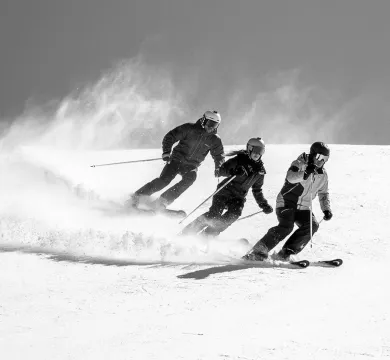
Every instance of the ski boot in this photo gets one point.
(283, 255)
(132, 202)
(258, 253)
(255, 256)
(160, 204)
(210, 232)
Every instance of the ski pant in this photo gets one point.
(287, 217)
(214, 221)
(169, 172)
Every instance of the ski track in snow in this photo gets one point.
(79, 281)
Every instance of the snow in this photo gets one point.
(79, 281)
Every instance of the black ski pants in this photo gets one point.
(214, 221)
(287, 217)
(169, 172)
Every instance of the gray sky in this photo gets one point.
(333, 56)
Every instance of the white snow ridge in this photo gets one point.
(81, 280)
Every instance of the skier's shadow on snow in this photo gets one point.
(204, 273)
(63, 256)
(59, 256)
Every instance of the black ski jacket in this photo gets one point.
(194, 144)
(240, 186)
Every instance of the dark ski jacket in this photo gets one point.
(194, 145)
(240, 186)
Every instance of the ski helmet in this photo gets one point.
(211, 118)
(256, 146)
(320, 151)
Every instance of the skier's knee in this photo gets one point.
(190, 177)
(164, 181)
(281, 232)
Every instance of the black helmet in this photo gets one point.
(319, 148)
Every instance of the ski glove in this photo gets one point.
(239, 171)
(216, 173)
(166, 157)
(327, 215)
(310, 169)
(267, 208)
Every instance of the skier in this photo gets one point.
(305, 178)
(249, 170)
(196, 140)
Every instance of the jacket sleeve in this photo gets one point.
(217, 152)
(176, 134)
(296, 171)
(257, 191)
(323, 195)
(228, 166)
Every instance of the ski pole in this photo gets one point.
(311, 210)
(215, 192)
(126, 162)
(248, 216)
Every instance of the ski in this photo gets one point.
(120, 210)
(300, 263)
(330, 263)
(169, 212)
(319, 263)
(272, 263)
(178, 213)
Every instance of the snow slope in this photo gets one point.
(80, 281)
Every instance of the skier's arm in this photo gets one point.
(323, 196)
(257, 191)
(296, 171)
(227, 167)
(176, 134)
(217, 152)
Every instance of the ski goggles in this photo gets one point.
(256, 150)
(210, 124)
(320, 157)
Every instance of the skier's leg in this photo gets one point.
(222, 222)
(217, 207)
(188, 178)
(214, 214)
(204, 220)
(168, 173)
(274, 235)
(299, 239)
(195, 226)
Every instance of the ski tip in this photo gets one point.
(173, 213)
(336, 262)
(243, 241)
(301, 263)
(331, 263)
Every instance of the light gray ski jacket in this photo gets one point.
(296, 191)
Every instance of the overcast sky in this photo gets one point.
(339, 48)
